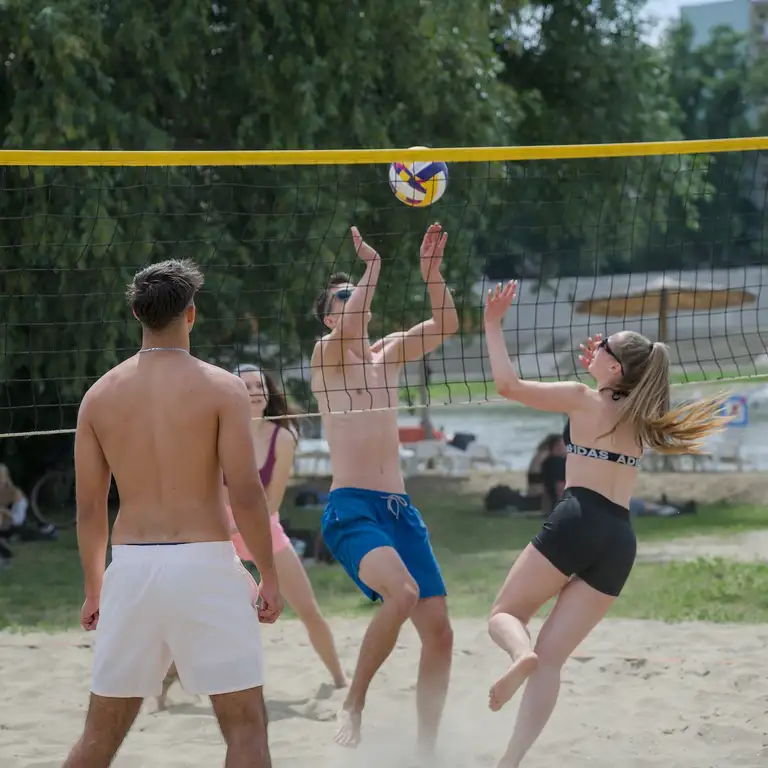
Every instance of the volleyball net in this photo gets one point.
(664, 238)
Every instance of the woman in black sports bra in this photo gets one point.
(586, 548)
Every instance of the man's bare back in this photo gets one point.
(169, 427)
(156, 418)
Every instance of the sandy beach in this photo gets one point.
(638, 695)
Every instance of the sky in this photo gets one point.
(669, 10)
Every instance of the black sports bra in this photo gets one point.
(597, 453)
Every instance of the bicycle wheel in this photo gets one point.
(52, 500)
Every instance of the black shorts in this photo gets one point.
(589, 536)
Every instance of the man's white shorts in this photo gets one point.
(191, 604)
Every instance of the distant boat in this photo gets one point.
(417, 433)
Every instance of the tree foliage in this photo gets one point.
(314, 74)
(720, 90)
(196, 75)
(585, 74)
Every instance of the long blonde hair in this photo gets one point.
(647, 405)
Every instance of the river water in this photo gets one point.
(513, 432)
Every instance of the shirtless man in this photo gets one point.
(166, 425)
(370, 525)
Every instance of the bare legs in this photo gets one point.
(579, 608)
(384, 571)
(170, 678)
(430, 618)
(242, 718)
(531, 581)
(297, 591)
(106, 726)
(511, 635)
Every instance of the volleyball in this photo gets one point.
(418, 184)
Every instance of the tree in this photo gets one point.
(584, 74)
(720, 89)
(196, 75)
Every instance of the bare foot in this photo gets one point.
(170, 679)
(348, 732)
(161, 700)
(506, 686)
(340, 681)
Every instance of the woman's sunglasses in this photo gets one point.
(607, 347)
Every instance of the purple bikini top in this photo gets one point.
(265, 473)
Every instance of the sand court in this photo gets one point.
(639, 694)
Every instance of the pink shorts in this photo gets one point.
(279, 538)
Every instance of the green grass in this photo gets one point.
(474, 391)
(43, 589)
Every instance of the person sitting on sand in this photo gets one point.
(586, 548)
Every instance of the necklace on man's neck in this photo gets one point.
(163, 349)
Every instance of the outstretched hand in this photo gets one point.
(499, 301)
(431, 252)
(589, 349)
(362, 249)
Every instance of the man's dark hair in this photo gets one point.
(322, 301)
(160, 293)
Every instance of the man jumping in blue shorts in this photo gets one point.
(370, 525)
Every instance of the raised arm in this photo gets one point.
(427, 336)
(92, 479)
(351, 328)
(561, 397)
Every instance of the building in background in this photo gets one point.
(746, 17)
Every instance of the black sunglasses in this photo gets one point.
(607, 347)
(343, 294)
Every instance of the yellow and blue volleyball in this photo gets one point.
(418, 184)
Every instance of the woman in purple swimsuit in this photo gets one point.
(275, 437)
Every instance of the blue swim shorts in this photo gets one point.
(356, 521)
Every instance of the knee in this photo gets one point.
(403, 599)
(247, 740)
(500, 609)
(312, 618)
(500, 612)
(438, 637)
(549, 659)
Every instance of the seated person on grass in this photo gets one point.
(553, 474)
(13, 505)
